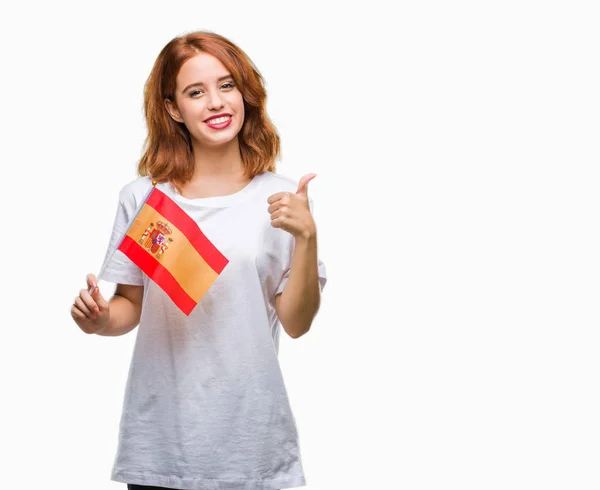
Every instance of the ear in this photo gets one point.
(173, 111)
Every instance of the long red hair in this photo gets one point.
(168, 154)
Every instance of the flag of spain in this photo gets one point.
(169, 247)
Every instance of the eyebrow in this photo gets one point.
(224, 77)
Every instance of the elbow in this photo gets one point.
(298, 332)
(297, 321)
(298, 328)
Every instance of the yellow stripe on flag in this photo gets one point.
(181, 259)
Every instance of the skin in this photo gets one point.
(218, 171)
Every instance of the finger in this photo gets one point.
(89, 301)
(278, 222)
(91, 282)
(303, 185)
(76, 313)
(277, 196)
(278, 214)
(83, 308)
(277, 206)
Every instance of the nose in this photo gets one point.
(214, 100)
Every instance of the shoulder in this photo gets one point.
(281, 183)
(273, 182)
(134, 191)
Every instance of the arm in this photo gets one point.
(299, 302)
(125, 310)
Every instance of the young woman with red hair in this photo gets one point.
(205, 404)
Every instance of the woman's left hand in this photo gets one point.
(291, 212)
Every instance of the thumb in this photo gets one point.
(91, 282)
(94, 290)
(99, 299)
(303, 185)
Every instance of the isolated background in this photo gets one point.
(456, 147)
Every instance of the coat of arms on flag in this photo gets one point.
(155, 238)
(171, 249)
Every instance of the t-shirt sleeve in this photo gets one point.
(117, 267)
(288, 262)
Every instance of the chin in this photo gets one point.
(219, 138)
(215, 142)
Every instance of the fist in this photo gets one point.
(291, 212)
(90, 310)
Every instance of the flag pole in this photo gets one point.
(139, 208)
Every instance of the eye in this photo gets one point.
(228, 85)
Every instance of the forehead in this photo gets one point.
(203, 67)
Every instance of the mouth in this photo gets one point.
(216, 119)
(219, 122)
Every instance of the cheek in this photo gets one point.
(195, 109)
(238, 102)
(187, 111)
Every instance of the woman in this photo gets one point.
(205, 405)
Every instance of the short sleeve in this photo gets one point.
(322, 270)
(117, 267)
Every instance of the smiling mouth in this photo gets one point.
(218, 120)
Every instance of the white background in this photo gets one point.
(456, 147)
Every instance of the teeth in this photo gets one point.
(219, 120)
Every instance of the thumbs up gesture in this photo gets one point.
(291, 212)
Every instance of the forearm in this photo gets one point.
(301, 297)
(124, 317)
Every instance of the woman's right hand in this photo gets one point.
(91, 312)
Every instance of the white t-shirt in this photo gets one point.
(205, 405)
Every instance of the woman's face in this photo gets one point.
(206, 89)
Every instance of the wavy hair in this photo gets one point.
(168, 153)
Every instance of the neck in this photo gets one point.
(216, 162)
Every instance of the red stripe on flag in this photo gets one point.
(174, 214)
(158, 273)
